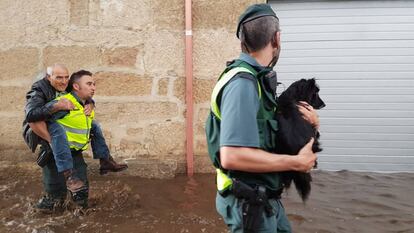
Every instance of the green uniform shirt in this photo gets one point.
(239, 106)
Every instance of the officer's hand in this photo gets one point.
(64, 104)
(88, 109)
(306, 158)
(309, 114)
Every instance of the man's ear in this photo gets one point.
(276, 40)
(76, 86)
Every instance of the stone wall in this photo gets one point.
(136, 50)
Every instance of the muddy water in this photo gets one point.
(340, 202)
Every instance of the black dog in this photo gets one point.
(295, 132)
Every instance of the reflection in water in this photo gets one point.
(190, 191)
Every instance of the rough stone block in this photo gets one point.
(11, 132)
(13, 98)
(203, 89)
(74, 57)
(155, 140)
(110, 37)
(199, 128)
(203, 164)
(122, 84)
(128, 14)
(202, 114)
(19, 63)
(200, 121)
(212, 49)
(79, 12)
(200, 146)
(165, 138)
(220, 14)
(163, 86)
(179, 89)
(122, 57)
(25, 22)
(133, 146)
(164, 52)
(135, 132)
(135, 111)
(168, 15)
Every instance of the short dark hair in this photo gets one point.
(75, 77)
(256, 34)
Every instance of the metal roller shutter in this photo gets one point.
(362, 53)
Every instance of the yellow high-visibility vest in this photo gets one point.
(223, 80)
(223, 182)
(76, 124)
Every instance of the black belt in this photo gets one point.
(270, 193)
(274, 194)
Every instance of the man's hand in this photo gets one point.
(309, 114)
(63, 104)
(306, 158)
(88, 109)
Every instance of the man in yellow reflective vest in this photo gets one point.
(39, 127)
(77, 126)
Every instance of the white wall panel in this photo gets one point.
(362, 54)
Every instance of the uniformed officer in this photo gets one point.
(241, 131)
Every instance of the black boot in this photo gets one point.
(48, 204)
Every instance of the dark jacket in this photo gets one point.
(38, 108)
(37, 99)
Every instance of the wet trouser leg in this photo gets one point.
(100, 149)
(54, 182)
(230, 208)
(81, 170)
(60, 146)
(81, 167)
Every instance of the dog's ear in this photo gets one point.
(312, 86)
(312, 81)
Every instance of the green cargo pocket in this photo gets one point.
(230, 210)
(267, 133)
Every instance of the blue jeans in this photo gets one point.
(61, 150)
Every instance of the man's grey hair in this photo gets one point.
(256, 34)
(50, 69)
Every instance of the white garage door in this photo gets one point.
(362, 53)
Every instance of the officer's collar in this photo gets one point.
(251, 61)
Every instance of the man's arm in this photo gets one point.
(250, 159)
(35, 109)
(40, 129)
(239, 139)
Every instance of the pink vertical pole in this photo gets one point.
(189, 88)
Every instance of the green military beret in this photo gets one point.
(253, 12)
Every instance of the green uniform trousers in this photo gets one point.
(54, 182)
(229, 208)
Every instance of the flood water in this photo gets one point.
(339, 202)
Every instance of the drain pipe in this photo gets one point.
(189, 88)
